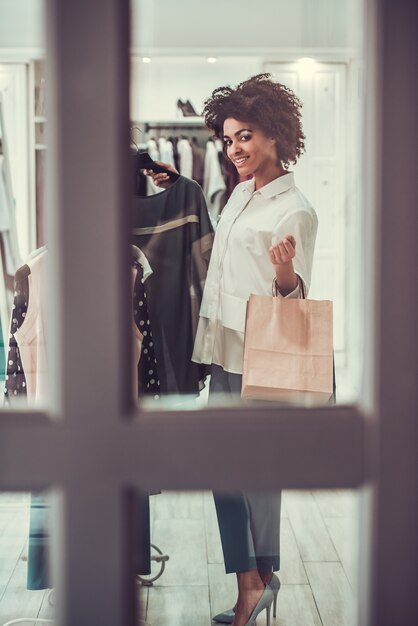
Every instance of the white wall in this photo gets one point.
(22, 24)
(233, 24)
(243, 23)
(156, 87)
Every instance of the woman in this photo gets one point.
(266, 234)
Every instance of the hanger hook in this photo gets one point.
(132, 140)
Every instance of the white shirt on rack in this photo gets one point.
(166, 151)
(240, 263)
(152, 148)
(213, 182)
(185, 153)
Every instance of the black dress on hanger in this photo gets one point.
(174, 231)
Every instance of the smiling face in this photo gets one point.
(250, 150)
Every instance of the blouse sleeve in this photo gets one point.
(303, 225)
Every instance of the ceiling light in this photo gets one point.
(146, 60)
(306, 66)
(212, 59)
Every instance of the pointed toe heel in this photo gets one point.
(264, 602)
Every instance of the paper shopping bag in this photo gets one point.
(288, 350)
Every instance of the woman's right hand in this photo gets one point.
(161, 179)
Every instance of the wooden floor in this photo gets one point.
(319, 548)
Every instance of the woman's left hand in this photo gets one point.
(283, 251)
(161, 179)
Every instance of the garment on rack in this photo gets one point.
(174, 231)
(15, 383)
(26, 373)
(198, 155)
(145, 364)
(214, 186)
(197, 158)
(186, 157)
(166, 151)
(152, 148)
(31, 335)
(173, 140)
(16, 386)
(27, 314)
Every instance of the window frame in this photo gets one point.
(90, 448)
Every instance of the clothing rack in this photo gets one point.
(188, 127)
(192, 128)
(175, 125)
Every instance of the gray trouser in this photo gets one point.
(249, 522)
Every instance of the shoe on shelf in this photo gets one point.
(227, 617)
(186, 108)
(181, 106)
(190, 109)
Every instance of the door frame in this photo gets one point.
(365, 445)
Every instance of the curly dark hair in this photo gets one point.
(273, 107)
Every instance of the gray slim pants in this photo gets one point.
(249, 522)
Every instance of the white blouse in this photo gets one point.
(240, 264)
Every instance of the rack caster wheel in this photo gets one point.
(160, 559)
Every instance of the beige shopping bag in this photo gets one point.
(288, 350)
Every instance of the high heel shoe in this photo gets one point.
(274, 585)
(227, 617)
(186, 108)
(264, 602)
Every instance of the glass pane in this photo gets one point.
(245, 188)
(23, 259)
(267, 201)
(316, 562)
(318, 557)
(26, 588)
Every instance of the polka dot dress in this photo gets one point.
(15, 384)
(148, 381)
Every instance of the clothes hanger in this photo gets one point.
(132, 139)
(143, 161)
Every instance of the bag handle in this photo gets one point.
(274, 287)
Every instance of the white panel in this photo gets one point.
(320, 174)
(325, 203)
(289, 78)
(325, 103)
(13, 87)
